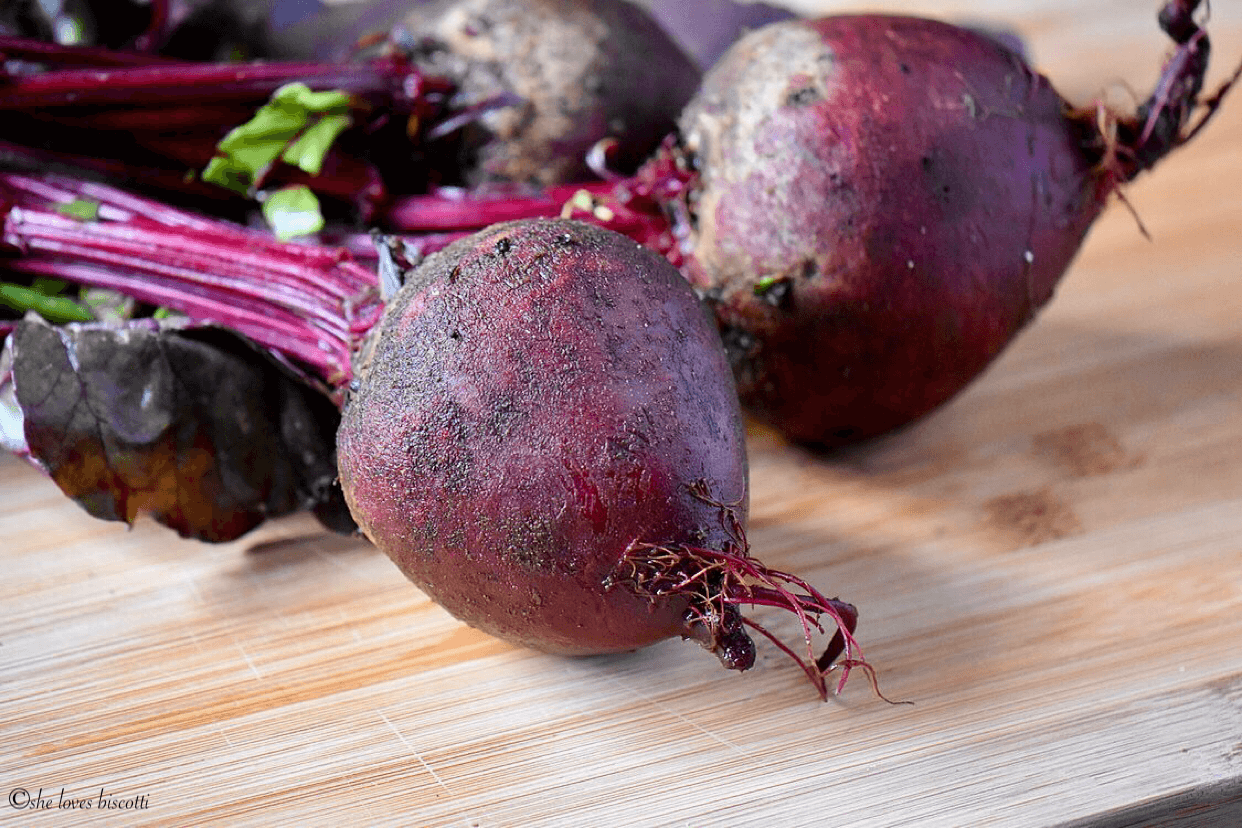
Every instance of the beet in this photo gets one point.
(544, 436)
(570, 73)
(883, 202)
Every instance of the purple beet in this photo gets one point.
(569, 74)
(545, 437)
(883, 203)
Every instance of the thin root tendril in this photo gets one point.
(717, 582)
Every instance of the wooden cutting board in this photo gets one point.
(1050, 568)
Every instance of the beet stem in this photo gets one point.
(454, 209)
(67, 55)
(288, 335)
(156, 33)
(311, 304)
(1166, 120)
(646, 206)
(211, 82)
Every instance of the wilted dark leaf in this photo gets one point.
(194, 427)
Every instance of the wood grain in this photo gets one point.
(1050, 568)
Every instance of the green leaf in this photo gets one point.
(227, 173)
(300, 95)
(296, 122)
(308, 152)
(767, 283)
(258, 142)
(47, 285)
(292, 212)
(81, 209)
(52, 308)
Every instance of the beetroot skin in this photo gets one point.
(545, 437)
(884, 202)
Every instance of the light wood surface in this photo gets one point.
(1050, 568)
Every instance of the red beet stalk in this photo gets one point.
(305, 302)
(389, 80)
(648, 206)
(42, 51)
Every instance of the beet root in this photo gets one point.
(553, 77)
(884, 202)
(545, 438)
